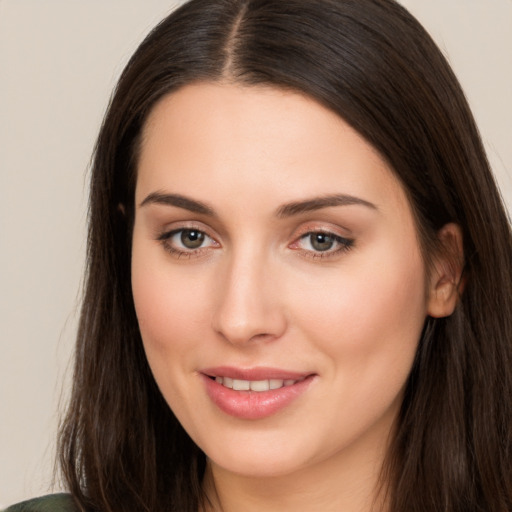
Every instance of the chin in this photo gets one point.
(256, 460)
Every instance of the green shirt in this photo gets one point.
(52, 503)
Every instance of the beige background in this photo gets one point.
(59, 60)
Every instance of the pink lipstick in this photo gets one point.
(253, 393)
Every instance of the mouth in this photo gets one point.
(256, 393)
(258, 386)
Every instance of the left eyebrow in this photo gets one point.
(317, 203)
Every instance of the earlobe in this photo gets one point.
(446, 282)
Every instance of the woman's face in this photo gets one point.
(277, 278)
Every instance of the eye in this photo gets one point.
(322, 244)
(190, 238)
(319, 241)
(186, 241)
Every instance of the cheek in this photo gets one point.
(367, 323)
(369, 317)
(170, 306)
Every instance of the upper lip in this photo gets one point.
(254, 374)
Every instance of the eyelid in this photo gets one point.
(170, 234)
(323, 227)
(174, 227)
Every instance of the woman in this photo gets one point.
(294, 300)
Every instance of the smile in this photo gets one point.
(255, 385)
(256, 393)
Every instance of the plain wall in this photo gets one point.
(59, 60)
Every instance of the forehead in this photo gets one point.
(231, 141)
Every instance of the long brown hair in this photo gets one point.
(370, 61)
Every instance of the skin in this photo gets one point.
(257, 293)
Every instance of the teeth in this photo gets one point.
(276, 383)
(260, 385)
(241, 385)
(254, 385)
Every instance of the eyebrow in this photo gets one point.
(317, 203)
(286, 210)
(178, 201)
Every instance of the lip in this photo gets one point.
(258, 373)
(253, 405)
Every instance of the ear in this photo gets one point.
(446, 284)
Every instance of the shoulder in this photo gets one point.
(51, 503)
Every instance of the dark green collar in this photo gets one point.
(51, 503)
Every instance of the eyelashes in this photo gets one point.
(192, 242)
(187, 242)
(321, 244)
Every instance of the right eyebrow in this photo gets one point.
(179, 201)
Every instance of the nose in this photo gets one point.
(249, 303)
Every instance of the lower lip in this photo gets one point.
(253, 405)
